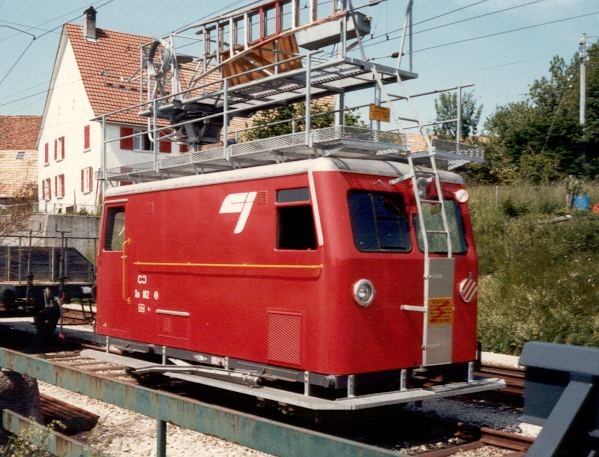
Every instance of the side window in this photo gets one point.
(114, 235)
(295, 220)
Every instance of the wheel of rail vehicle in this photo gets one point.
(8, 298)
(45, 320)
(47, 316)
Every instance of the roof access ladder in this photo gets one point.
(433, 233)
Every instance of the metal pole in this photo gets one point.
(104, 158)
(225, 118)
(154, 135)
(160, 438)
(340, 109)
(410, 42)
(308, 99)
(582, 58)
(343, 26)
(458, 132)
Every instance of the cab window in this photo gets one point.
(379, 221)
(114, 234)
(437, 242)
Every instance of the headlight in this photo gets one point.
(461, 195)
(363, 292)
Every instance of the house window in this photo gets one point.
(87, 180)
(134, 140)
(46, 189)
(86, 141)
(46, 154)
(59, 149)
(20, 155)
(59, 186)
(295, 220)
(183, 147)
(165, 145)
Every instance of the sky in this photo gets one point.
(500, 46)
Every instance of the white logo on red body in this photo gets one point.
(238, 203)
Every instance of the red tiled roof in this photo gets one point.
(19, 132)
(110, 70)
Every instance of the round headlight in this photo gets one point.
(363, 292)
(461, 195)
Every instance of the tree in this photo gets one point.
(446, 109)
(15, 217)
(279, 121)
(544, 129)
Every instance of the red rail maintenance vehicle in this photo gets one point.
(308, 272)
(330, 268)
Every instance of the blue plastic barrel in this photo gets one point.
(581, 202)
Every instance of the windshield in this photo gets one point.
(437, 242)
(379, 221)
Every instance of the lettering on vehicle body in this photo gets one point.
(240, 203)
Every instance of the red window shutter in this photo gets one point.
(62, 185)
(46, 153)
(55, 149)
(82, 180)
(49, 181)
(62, 148)
(90, 179)
(44, 189)
(126, 143)
(183, 147)
(56, 186)
(86, 137)
(165, 145)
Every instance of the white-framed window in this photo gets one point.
(59, 186)
(87, 180)
(132, 139)
(46, 189)
(59, 149)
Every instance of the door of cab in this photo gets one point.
(112, 271)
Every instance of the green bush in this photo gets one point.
(539, 274)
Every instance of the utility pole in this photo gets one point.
(582, 59)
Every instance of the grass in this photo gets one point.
(539, 276)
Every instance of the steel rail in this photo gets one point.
(241, 428)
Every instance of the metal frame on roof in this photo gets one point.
(187, 93)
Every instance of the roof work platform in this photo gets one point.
(270, 54)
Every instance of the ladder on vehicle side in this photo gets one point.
(438, 270)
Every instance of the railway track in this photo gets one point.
(488, 438)
(78, 313)
(383, 429)
(514, 378)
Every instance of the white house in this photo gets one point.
(95, 72)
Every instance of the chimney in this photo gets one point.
(89, 24)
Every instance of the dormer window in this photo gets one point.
(20, 155)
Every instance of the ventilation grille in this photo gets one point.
(285, 338)
(261, 197)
